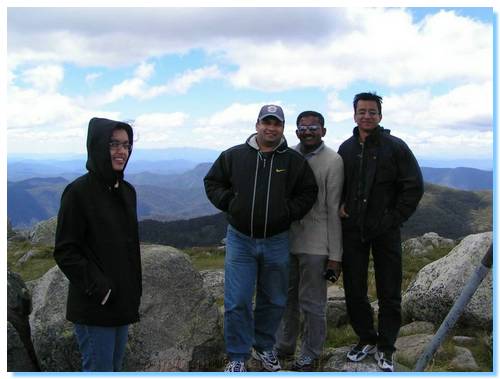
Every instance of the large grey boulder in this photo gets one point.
(21, 354)
(410, 348)
(438, 285)
(336, 309)
(424, 244)
(464, 360)
(179, 328)
(213, 281)
(417, 327)
(18, 357)
(52, 335)
(44, 233)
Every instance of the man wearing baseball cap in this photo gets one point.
(262, 186)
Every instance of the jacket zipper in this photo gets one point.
(361, 192)
(254, 190)
(268, 191)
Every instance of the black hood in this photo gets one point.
(98, 155)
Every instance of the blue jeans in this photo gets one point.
(248, 262)
(102, 347)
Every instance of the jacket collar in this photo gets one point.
(312, 153)
(252, 142)
(373, 138)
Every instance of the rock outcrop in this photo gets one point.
(44, 233)
(213, 280)
(423, 245)
(179, 328)
(438, 285)
(18, 357)
(20, 352)
(336, 310)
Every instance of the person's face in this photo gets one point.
(306, 133)
(367, 116)
(119, 149)
(269, 131)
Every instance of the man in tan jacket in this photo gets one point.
(316, 249)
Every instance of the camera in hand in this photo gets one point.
(330, 275)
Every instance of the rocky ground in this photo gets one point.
(182, 308)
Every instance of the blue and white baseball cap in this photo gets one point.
(271, 110)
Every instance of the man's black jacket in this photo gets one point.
(262, 193)
(97, 242)
(382, 182)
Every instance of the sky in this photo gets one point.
(197, 77)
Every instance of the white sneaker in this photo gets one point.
(361, 351)
(268, 359)
(384, 361)
(235, 366)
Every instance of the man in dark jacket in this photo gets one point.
(263, 186)
(97, 248)
(382, 188)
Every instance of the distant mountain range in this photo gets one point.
(167, 190)
(464, 178)
(160, 197)
(448, 212)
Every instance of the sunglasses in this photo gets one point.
(311, 128)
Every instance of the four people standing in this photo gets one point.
(374, 184)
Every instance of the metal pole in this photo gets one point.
(457, 309)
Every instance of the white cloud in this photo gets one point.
(464, 107)
(138, 87)
(384, 46)
(301, 47)
(456, 123)
(43, 119)
(92, 77)
(235, 123)
(184, 82)
(154, 130)
(326, 49)
(338, 111)
(145, 70)
(45, 78)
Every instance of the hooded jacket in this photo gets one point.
(97, 241)
(382, 182)
(262, 193)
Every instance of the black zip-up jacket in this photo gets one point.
(262, 193)
(97, 241)
(382, 182)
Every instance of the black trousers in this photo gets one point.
(386, 251)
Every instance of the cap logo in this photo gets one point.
(272, 109)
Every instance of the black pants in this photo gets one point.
(386, 251)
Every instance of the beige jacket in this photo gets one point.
(319, 232)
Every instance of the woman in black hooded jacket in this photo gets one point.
(97, 248)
